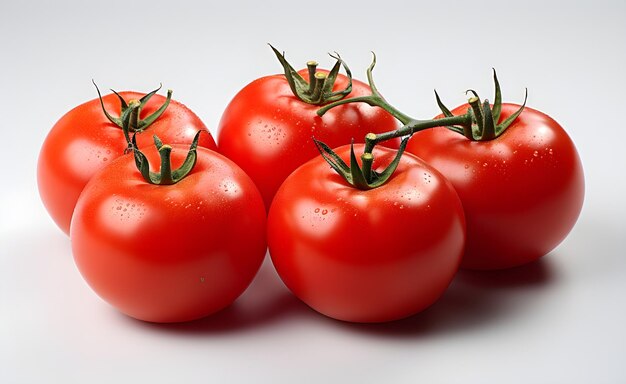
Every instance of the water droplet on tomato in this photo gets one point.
(324, 211)
(317, 210)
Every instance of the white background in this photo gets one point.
(560, 320)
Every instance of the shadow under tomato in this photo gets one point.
(266, 301)
(475, 299)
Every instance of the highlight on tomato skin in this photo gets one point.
(84, 140)
(372, 255)
(522, 192)
(169, 253)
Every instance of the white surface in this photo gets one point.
(557, 321)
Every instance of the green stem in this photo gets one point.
(474, 102)
(319, 79)
(371, 139)
(372, 100)
(133, 125)
(312, 67)
(129, 117)
(366, 164)
(166, 165)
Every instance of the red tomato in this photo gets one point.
(366, 256)
(267, 130)
(522, 192)
(84, 140)
(169, 253)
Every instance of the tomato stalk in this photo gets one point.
(136, 124)
(318, 90)
(479, 123)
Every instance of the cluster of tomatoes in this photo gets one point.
(168, 226)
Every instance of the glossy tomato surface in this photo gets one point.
(169, 253)
(268, 131)
(84, 140)
(522, 192)
(367, 256)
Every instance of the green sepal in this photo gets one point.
(144, 123)
(484, 117)
(334, 160)
(356, 173)
(497, 102)
(509, 120)
(360, 178)
(446, 112)
(312, 92)
(382, 177)
(114, 120)
(296, 82)
(489, 126)
(190, 161)
(136, 124)
(166, 176)
(328, 95)
(157, 142)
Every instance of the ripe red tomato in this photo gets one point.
(366, 256)
(169, 253)
(522, 192)
(84, 140)
(267, 130)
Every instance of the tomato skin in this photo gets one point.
(268, 131)
(169, 253)
(84, 140)
(366, 256)
(522, 192)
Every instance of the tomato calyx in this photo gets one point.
(479, 123)
(362, 177)
(485, 123)
(318, 90)
(166, 176)
(136, 124)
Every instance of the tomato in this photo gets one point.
(366, 255)
(169, 253)
(522, 192)
(267, 130)
(84, 140)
